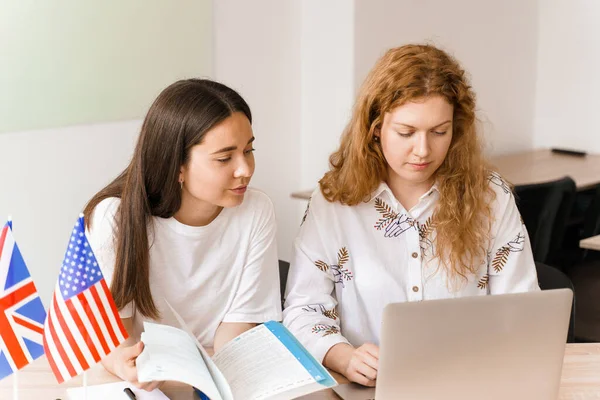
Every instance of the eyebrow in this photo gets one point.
(232, 148)
(410, 126)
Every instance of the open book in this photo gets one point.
(265, 362)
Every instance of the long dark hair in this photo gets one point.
(177, 120)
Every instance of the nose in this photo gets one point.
(243, 169)
(421, 146)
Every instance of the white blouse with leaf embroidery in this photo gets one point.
(349, 262)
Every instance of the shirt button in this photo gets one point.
(415, 288)
(415, 255)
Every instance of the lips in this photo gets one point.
(419, 167)
(240, 189)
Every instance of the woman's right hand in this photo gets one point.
(123, 365)
(363, 364)
(357, 365)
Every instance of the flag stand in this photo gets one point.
(16, 385)
(84, 385)
(16, 373)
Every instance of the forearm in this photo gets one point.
(338, 357)
(229, 330)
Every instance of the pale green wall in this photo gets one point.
(66, 62)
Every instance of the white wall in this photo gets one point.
(299, 62)
(293, 62)
(257, 52)
(71, 62)
(494, 40)
(327, 82)
(568, 79)
(47, 176)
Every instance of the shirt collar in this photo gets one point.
(383, 187)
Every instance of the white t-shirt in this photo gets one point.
(226, 271)
(349, 262)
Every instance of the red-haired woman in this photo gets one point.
(409, 211)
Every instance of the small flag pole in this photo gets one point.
(16, 385)
(84, 385)
(16, 373)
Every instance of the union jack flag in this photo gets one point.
(83, 324)
(22, 313)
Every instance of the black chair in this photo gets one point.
(552, 278)
(591, 223)
(545, 208)
(284, 267)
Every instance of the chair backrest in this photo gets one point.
(552, 278)
(284, 267)
(545, 208)
(591, 224)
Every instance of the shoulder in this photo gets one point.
(107, 207)
(318, 201)
(503, 201)
(256, 202)
(321, 211)
(256, 198)
(103, 218)
(500, 187)
(256, 210)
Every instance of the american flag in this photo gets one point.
(83, 324)
(22, 313)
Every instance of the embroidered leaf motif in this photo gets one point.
(325, 329)
(388, 215)
(514, 246)
(331, 314)
(500, 258)
(322, 265)
(342, 256)
(483, 282)
(425, 229)
(425, 240)
(383, 208)
(341, 274)
(382, 223)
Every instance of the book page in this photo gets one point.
(217, 376)
(170, 354)
(258, 366)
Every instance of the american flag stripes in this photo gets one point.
(83, 324)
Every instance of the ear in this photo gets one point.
(181, 173)
(377, 133)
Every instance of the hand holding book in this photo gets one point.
(266, 362)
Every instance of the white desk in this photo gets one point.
(580, 379)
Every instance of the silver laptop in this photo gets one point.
(489, 347)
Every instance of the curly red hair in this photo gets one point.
(463, 217)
